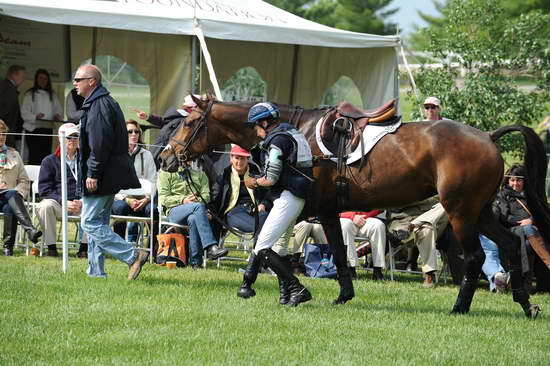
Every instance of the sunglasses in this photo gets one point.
(72, 137)
(78, 80)
(133, 131)
(427, 107)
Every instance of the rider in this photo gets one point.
(287, 167)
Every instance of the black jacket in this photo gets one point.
(507, 208)
(49, 180)
(221, 192)
(104, 145)
(10, 111)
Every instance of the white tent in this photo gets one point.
(297, 58)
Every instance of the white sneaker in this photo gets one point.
(501, 282)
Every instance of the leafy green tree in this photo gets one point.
(365, 16)
(493, 50)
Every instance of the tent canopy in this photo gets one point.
(244, 20)
(298, 59)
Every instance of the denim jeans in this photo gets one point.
(193, 214)
(96, 212)
(4, 198)
(120, 207)
(491, 266)
(239, 218)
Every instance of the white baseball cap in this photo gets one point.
(433, 100)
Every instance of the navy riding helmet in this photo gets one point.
(262, 111)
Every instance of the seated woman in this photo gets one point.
(180, 194)
(144, 164)
(40, 102)
(14, 185)
(235, 202)
(512, 211)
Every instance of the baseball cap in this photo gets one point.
(69, 129)
(433, 100)
(237, 150)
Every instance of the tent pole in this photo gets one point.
(94, 44)
(193, 64)
(208, 60)
(294, 74)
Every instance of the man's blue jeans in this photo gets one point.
(96, 212)
(491, 266)
(193, 214)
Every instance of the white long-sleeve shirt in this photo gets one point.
(41, 103)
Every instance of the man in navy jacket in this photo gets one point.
(104, 169)
(49, 190)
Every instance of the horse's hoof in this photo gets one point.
(457, 311)
(533, 311)
(341, 300)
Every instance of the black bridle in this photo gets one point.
(184, 155)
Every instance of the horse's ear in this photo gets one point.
(202, 104)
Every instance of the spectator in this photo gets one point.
(365, 224)
(49, 190)
(168, 123)
(235, 202)
(512, 211)
(180, 194)
(73, 103)
(40, 103)
(284, 147)
(432, 108)
(145, 167)
(104, 169)
(422, 223)
(493, 270)
(14, 185)
(10, 111)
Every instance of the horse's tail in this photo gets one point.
(536, 163)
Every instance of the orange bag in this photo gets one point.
(172, 248)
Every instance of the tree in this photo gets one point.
(495, 50)
(365, 16)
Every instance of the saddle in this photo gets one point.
(355, 121)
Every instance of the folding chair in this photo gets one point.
(147, 189)
(33, 172)
(244, 242)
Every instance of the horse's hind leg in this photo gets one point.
(474, 257)
(510, 244)
(333, 231)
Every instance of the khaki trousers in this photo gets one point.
(49, 212)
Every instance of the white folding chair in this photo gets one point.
(33, 172)
(147, 189)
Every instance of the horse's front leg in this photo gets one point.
(333, 231)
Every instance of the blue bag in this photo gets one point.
(313, 256)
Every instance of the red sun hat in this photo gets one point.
(237, 150)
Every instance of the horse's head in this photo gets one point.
(210, 124)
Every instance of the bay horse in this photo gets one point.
(455, 161)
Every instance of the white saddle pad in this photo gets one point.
(371, 135)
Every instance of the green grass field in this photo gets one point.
(194, 317)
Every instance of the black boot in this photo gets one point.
(250, 274)
(215, 252)
(52, 251)
(284, 292)
(298, 293)
(82, 251)
(10, 230)
(20, 211)
(377, 274)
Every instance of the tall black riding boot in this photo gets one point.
(284, 292)
(20, 211)
(298, 293)
(249, 276)
(10, 230)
